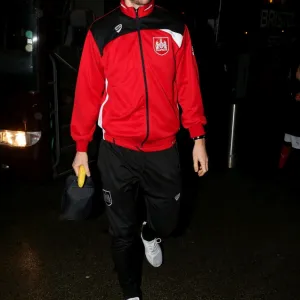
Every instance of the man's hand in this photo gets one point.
(81, 158)
(200, 157)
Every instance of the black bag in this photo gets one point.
(77, 203)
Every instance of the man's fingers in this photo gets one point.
(200, 173)
(76, 170)
(203, 169)
(200, 165)
(196, 164)
(87, 170)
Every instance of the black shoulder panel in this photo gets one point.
(111, 27)
(161, 18)
(116, 24)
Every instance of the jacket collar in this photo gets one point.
(143, 11)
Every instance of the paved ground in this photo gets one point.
(243, 243)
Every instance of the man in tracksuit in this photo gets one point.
(137, 67)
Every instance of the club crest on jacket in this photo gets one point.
(161, 45)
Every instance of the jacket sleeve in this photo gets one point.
(188, 87)
(88, 94)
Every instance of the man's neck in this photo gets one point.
(130, 4)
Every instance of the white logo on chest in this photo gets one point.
(161, 45)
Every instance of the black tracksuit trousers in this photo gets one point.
(125, 174)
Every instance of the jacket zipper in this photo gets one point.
(144, 75)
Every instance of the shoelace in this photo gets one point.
(153, 247)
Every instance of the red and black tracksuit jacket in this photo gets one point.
(136, 68)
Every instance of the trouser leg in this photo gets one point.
(161, 183)
(120, 189)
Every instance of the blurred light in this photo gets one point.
(14, 138)
(246, 32)
(270, 1)
(19, 138)
(28, 48)
(29, 34)
(35, 39)
(282, 30)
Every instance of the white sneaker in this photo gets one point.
(153, 251)
(136, 298)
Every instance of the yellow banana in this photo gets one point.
(81, 176)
